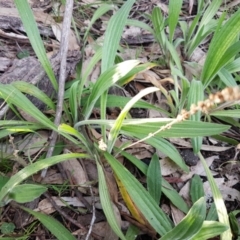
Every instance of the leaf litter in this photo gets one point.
(81, 174)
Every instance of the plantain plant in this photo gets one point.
(140, 201)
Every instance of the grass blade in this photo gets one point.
(150, 209)
(106, 80)
(220, 206)
(209, 230)
(190, 224)
(222, 40)
(113, 35)
(195, 95)
(174, 11)
(107, 203)
(31, 169)
(118, 123)
(31, 28)
(54, 226)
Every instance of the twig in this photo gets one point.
(73, 221)
(61, 83)
(93, 215)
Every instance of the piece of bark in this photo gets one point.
(30, 70)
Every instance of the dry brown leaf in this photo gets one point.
(34, 142)
(177, 215)
(198, 56)
(103, 230)
(38, 15)
(46, 207)
(198, 169)
(168, 166)
(72, 45)
(112, 186)
(75, 171)
(52, 177)
(184, 192)
(132, 31)
(228, 193)
(183, 143)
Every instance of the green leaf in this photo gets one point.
(168, 149)
(31, 28)
(227, 77)
(234, 224)
(114, 132)
(195, 95)
(174, 196)
(55, 227)
(121, 101)
(132, 232)
(196, 188)
(174, 11)
(186, 129)
(212, 213)
(139, 164)
(158, 22)
(146, 126)
(190, 224)
(167, 189)
(143, 200)
(209, 230)
(154, 179)
(106, 80)
(139, 24)
(97, 14)
(18, 193)
(73, 103)
(206, 18)
(113, 35)
(7, 228)
(12, 95)
(107, 203)
(32, 90)
(3, 180)
(218, 200)
(226, 113)
(30, 170)
(222, 40)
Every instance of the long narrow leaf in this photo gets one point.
(118, 123)
(34, 168)
(221, 41)
(154, 178)
(195, 95)
(106, 80)
(209, 230)
(15, 97)
(113, 35)
(191, 223)
(31, 28)
(174, 11)
(220, 206)
(54, 226)
(150, 209)
(107, 203)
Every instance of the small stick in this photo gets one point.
(61, 84)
